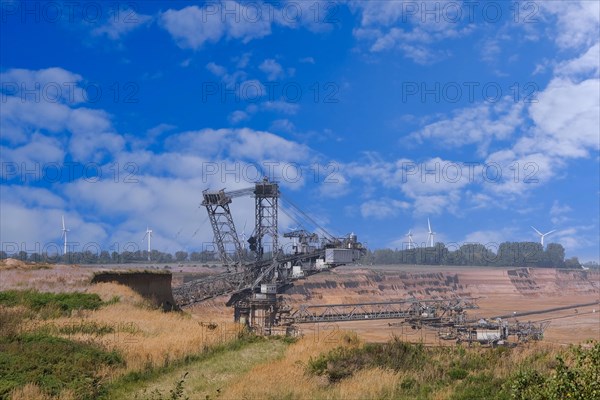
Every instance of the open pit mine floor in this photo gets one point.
(569, 299)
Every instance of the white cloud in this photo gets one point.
(559, 213)
(283, 125)
(30, 197)
(190, 29)
(193, 26)
(38, 229)
(437, 204)
(384, 208)
(574, 238)
(489, 237)
(389, 25)
(567, 119)
(51, 85)
(480, 124)
(272, 69)
(96, 146)
(238, 116)
(577, 24)
(307, 60)
(127, 21)
(34, 155)
(284, 107)
(31, 122)
(239, 144)
(586, 65)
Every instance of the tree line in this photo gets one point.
(507, 254)
(105, 257)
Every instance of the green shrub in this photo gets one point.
(50, 304)
(52, 363)
(457, 373)
(481, 386)
(342, 362)
(580, 381)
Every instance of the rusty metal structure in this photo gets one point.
(446, 316)
(253, 286)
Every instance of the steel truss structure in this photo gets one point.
(430, 310)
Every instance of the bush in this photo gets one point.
(457, 373)
(52, 363)
(342, 362)
(50, 304)
(581, 380)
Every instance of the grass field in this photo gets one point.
(109, 343)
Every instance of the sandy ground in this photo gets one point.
(498, 291)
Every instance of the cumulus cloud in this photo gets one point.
(239, 144)
(272, 68)
(383, 208)
(480, 124)
(127, 21)
(396, 25)
(193, 26)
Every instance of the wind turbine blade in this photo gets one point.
(547, 233)
(428, 225)
(538, 232)
(63, 222)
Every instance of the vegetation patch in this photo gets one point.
(54, 364)
(580, 380)
(50, 304)
(342, 362)
(207, 372)
(476, 373)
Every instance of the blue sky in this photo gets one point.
(373, 116)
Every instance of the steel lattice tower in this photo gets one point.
(266, 195)
(217, 204)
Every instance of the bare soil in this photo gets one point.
(499, 291)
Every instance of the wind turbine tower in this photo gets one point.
(243, 235)
(411, 244)
(543, 235)
(149, 236)
(64, 235)
(431, 234)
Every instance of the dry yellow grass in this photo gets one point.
(373, 383)
(57, 278)
(146, 337)
(31, 391)
(273, 380)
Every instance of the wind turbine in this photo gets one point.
(64, 234)
(411, 244)
(431, 233)
(149, 236)
(243, 235)
(542, 235)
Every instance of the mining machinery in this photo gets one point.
(254, 286)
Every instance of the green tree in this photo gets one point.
(555, 255)
(181, 256)
(572, 262)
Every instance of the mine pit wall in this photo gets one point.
(155, 287)
(493, 285)
(363, 285)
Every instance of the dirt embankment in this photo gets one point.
(362, 285)
(153, 286)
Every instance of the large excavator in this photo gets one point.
(253, 286)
